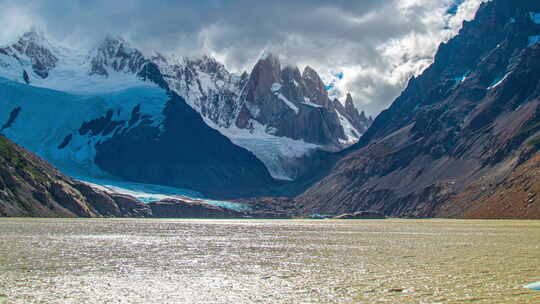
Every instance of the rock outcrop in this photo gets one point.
(360, 215)
(177, 208)
(296, 105)
(184, 153)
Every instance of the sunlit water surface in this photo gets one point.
(274, 261)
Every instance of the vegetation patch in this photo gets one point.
(15, 159)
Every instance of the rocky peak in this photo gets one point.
(210, 66)
(34, 36)
(291, 74)
(314, 88)
(312, 80)
(292, 85)
(267, 71)
(112, 44)
(349, 102)
(115, 53)
(351, 109)
(37, 49)
(264, 79)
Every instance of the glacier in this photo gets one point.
(97, 81)
(350, 131)
(274, 151)
(48, 116)
(148, 193)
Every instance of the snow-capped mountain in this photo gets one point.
(278, 113)
(109, 112)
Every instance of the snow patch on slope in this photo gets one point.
(350, 131)
(288, 103)
(463, 77)
(498, 81)
(311, 104)
(275, 87)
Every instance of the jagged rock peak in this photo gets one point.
(349, 101)
(268, 56)
(209, 65)
(41, 53)
(267, 70)
(291, 73)
(309, 72)
(270, 60)
(292, 68)
(34, 35)
(115, 53)
(313, 80)
(351, 108)
(113, 45)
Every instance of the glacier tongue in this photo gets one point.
(278, 154)
(148, 193)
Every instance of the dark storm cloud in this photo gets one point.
(329, 35)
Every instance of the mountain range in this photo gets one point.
(275, 112)
(462, 140)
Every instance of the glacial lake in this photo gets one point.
(268, 261)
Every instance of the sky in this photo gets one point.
(375, 45)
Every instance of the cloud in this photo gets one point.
(378, 44)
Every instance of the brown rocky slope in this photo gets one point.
(463, 138)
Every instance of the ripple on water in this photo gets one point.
(275, 261)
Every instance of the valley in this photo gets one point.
(460, 141)
(271, 152)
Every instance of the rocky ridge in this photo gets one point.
(459, 135)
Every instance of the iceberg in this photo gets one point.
(533, 286)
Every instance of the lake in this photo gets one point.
(268, 261)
